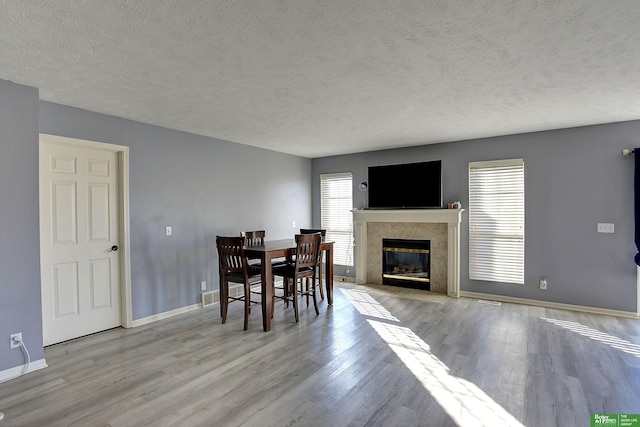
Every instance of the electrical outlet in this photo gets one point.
(543, 283)
(16, 340)
(294, 224)
(203, 285)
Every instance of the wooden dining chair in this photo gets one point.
(235, 268)
(303, 269)
(323, 233)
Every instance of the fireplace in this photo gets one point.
(407, 263)
(440, 226)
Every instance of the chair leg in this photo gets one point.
(285, 291)
(247, 305)
(320, 281)
(224, 301)
(295, 300)
(307, 290)
(315, 300)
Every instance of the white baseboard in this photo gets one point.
(165, 315)
(235, 291)
(548, 304)
(15, 371)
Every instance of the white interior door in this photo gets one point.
(78, 238)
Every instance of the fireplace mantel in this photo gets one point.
(451, 217)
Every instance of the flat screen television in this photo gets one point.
(406, 186)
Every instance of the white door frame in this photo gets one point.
(124, 243)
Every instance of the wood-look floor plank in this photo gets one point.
(543, 367)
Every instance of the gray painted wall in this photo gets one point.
(20, 308)
(574, 178)
(200, 186)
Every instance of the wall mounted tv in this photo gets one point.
(406, 186)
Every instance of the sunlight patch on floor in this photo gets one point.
(594, 334)
(367, 305)
(466, 403)
(463, 401)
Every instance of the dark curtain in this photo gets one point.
(636, 201)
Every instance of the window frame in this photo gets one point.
(497, 232)
(342, 236)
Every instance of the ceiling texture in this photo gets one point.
(320, 78)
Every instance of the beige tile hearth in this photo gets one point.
(396, 291)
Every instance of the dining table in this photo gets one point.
(284, 248)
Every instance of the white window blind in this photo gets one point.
(496, 221)
(336, 195)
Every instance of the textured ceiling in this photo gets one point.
(318, 78)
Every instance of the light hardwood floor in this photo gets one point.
(376, 358)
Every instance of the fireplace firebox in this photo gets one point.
(406, 263)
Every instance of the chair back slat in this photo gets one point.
(307, 250)
(254, 238)
(231, 254)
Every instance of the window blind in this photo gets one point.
(336, 195)
(496, 221)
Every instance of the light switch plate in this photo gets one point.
(168, 231)
(605, 227)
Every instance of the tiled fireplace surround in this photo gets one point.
(440, 226)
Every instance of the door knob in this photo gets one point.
(113, 248)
